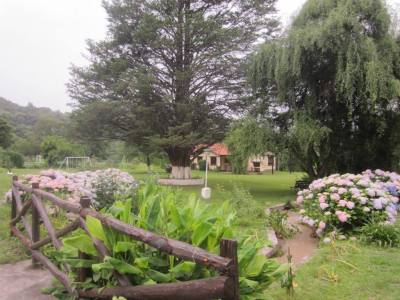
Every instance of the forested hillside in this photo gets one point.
(26, 119)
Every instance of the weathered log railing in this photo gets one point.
(224, 287)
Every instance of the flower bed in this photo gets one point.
(347, 202)
(101, 185)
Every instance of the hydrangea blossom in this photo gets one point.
(72, 186)
(348, 200)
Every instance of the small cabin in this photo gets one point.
(218, 159)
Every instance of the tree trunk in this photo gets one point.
(180, 161)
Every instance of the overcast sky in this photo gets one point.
(41, 38)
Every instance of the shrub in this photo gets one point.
(380, 234)
(11, 159)
(103, 186)
(348, 202)
(277, 220)
(54, 149)
(202, 165)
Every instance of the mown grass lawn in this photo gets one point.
(11, 249)
(359, 273)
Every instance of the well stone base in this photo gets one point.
(181, 182)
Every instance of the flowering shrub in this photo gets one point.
(103, 186)
(350, 201)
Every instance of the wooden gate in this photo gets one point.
(225, 286)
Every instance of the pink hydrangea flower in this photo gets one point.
(321, 225)
(323, 205)
(299, 200)
(350, 204)
(342, 203)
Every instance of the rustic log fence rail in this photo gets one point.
(225, 286)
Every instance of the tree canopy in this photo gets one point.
(5, 134)
(169, 73)
(339, 66)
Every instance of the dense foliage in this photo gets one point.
(10, 159)
(164, 211)
(55, 148)
(382, 235)
(348, 202)
(247, 138)
(169, 73)
(332, 85)
(5, 134)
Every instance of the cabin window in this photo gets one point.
(270, 160)
(213, 161)
(256, 164)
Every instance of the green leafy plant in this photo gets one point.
(277, 220)
(163, 211)
(380, 234)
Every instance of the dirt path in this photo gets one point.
(20, 281)
(302, 245)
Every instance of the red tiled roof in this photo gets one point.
(219, 149)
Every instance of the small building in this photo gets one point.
(218, 159)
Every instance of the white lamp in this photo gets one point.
(206, 191)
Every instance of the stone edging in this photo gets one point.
(270, 251)
(181, 182)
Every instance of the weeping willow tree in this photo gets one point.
(339, 65)
(246, 138)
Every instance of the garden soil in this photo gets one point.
(21, 281)
(302, 245)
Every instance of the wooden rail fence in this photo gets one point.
(225, 286)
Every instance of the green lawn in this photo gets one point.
(360, 273)
(11, 249)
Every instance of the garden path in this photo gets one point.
(302, 245)
(21, 281)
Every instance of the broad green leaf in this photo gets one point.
(95, 228)
(122, 266)
(158, 276)
(184, 269)
(81, 242)
(123, 247)
(142, 262)
(255, 266)
(201, 233)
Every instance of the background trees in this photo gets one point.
(169, 73)
(5, 134)
(335, 79)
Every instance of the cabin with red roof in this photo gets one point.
(218, 160)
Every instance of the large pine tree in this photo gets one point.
(335, 79)
(169, 72)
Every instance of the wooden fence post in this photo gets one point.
(13, 202)
(228, 248)
(35, 223)
(83, 272)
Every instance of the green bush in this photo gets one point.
(11, 159)
(55, 149)
(277, 220)
(380, 234)
(202, 165)
(166, 212)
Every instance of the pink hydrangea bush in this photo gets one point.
(71, 186)
(347, 202)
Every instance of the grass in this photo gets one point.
(360, 273)
(11, 249)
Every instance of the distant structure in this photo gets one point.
(81, 162)
(218, 159)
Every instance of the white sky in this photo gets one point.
(39, 39)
